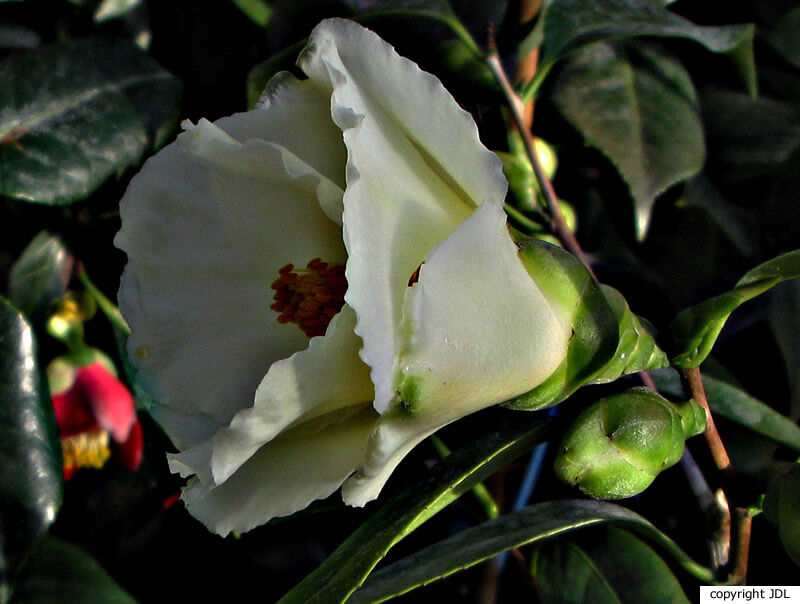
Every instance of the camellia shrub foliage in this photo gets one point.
(462, 301)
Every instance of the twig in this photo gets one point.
(558, 224)
(741, 519)
(528, 64)
(741, 553)
(718, 452)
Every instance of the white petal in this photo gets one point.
(283, 477)
(325, 377)
(479, 332)
(206, 226)
(416, 169)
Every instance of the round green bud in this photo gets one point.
(617, 446)
(546, 155)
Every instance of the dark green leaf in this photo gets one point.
(56, 572)
(350, 564)
(529, 525)
(16, 36)
(694, 331)
(439, 10)
(261, 74)
(570, 24)
(72, 114)
(30, 451)
(369, 6)
(748, 136)
(733, 221)
(782, 508)
(638, 106)
(735, 404)
(784, 322)
(784, 39)
(607, 565)
(40, 275)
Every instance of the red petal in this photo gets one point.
(111, 402)
(73, 415)
(129, 453)
(69, 472)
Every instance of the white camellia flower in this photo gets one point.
(278, 380)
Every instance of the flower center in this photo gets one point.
(311, 296)
(85, 450)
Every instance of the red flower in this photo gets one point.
(95, 416)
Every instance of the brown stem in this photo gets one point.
(740, 519)
(744, 525)
(558, 224)
(527, 65)
(718, 452)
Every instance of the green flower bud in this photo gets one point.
(519, 172)
(616, 447)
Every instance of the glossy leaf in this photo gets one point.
(735, 404)
(639, 108)
(694, 331)
(607, 565)
(348, 566)
(782, 508)
(30, 451)
(72, 114)
(529, 525)
(570, 24)
(40, 275)
(56, 571)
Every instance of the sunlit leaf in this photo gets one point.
(348, 566)
(638, 107)
(112, 9)
(40, 275)
(74, 113)
(694, 331)
(735, 404)
(30, 451)
(258, 11)
(529, 525)
(606, 565)
(56, 571)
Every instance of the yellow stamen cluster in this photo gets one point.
(86, 450)
(309, 297)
